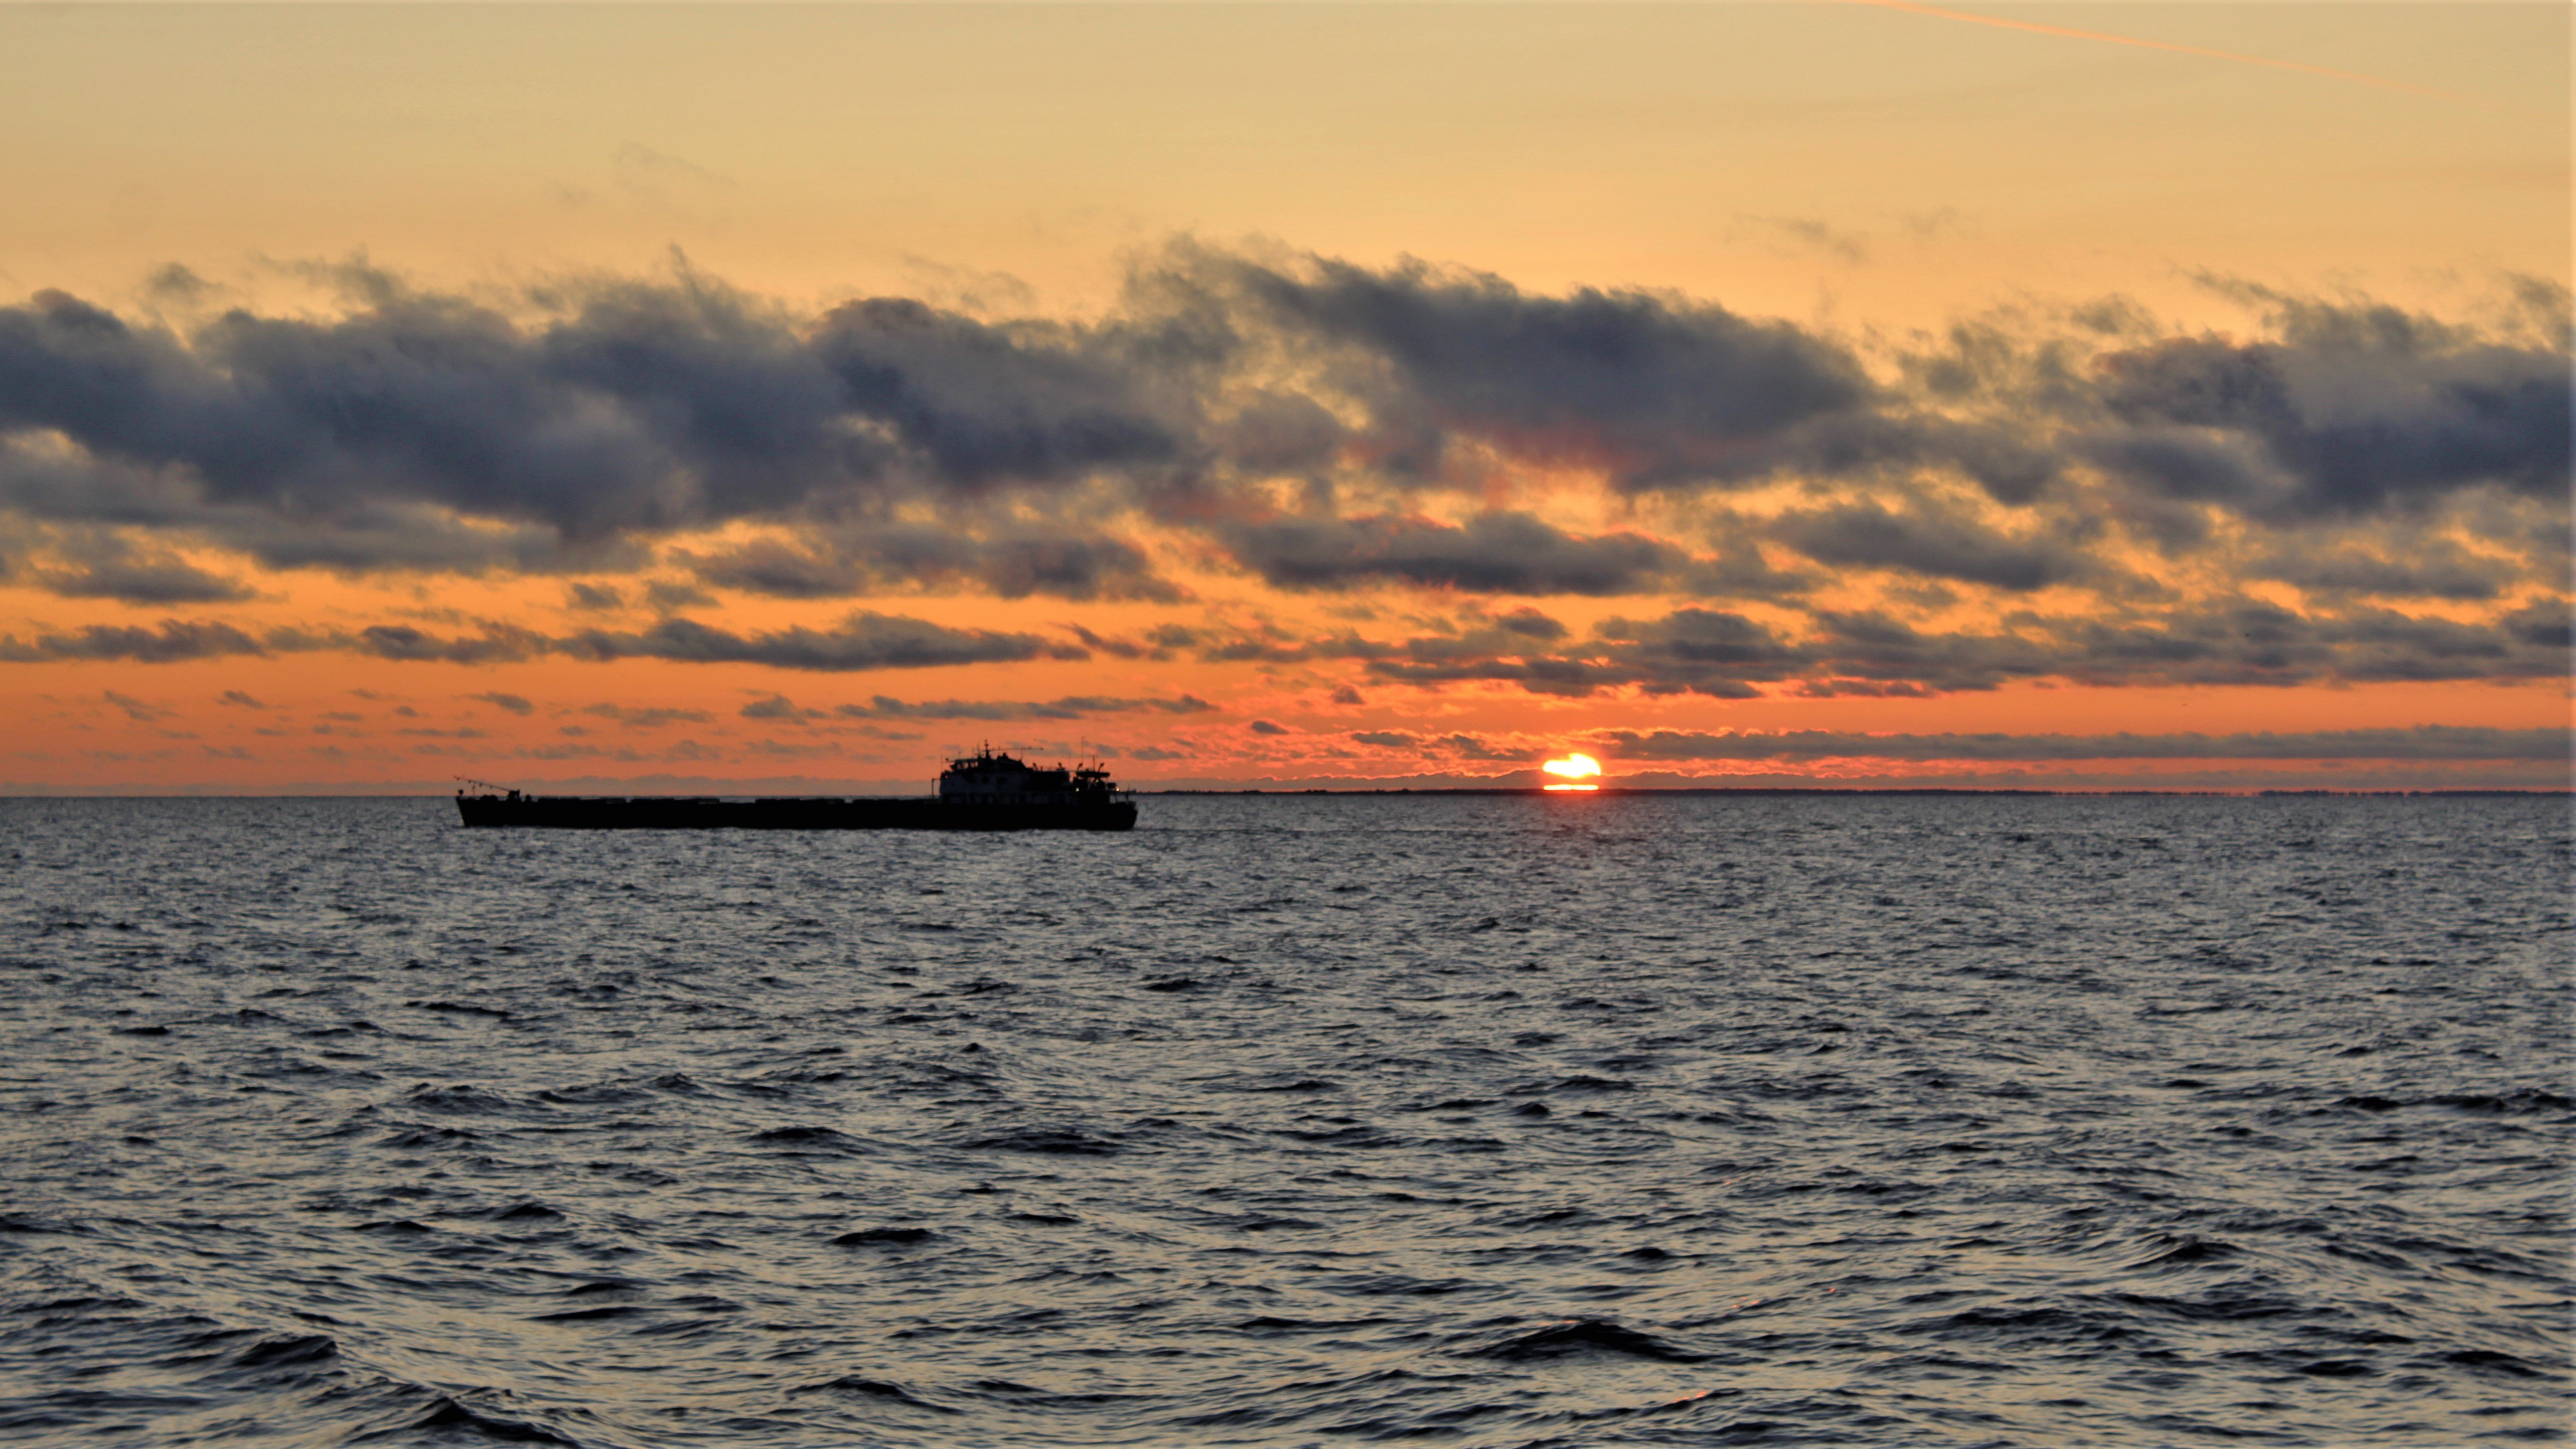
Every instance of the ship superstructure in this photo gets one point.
(987, 779)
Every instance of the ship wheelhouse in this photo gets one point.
(986, 778)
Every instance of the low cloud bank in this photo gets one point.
(2421, 743)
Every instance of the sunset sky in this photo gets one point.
(2085, 395)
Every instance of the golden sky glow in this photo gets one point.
(1853, 392)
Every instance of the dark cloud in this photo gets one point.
(645, 717)
(891, 445)
(1691, 650)
(2543, 626)
(2357, 405)
(2427, 568)
(1861, 689)
(844, 563)
(1737, 570)
(2006, 458)
(130, 579)
(1476, 747)
(667, 594)
(412, 398)
(1655, 388)
(1521, 646)
(863, 640)
(1268, 727)
(1873, 647)
(2254, 642)
(1463, 746)
(1936, 545)
(637, 408)
(1003, 711)
(239, 700)
(135, 709)
(735, 412)
(2423, 742)
(780, 707)
(1275, 432)
(1501, 552)
(515, 704)
(88, 562)
(2192, 465)
(499, 644)
(171, 641)
(988, 404)
(2227, 641)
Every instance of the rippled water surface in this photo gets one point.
(1292, 1120)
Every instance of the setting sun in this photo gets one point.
(1574, 768)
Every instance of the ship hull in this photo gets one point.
(645, 812)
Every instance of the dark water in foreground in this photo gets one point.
(1292, 1121)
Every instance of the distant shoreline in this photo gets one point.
(1844, 790)
(1464, 790)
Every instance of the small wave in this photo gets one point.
(428, 1137)
(603, 1094)
(1584, 1336)
(588, 1315)
(884, 1238)
(2013, 1325)
(2527, 1099)
(2513, 1103)
(457, 1099)
(2177, 1252)
(2493, 1362)
(1061, 1141)
(289, 1352)
(601, 1286)
(446, 1416)
(874, 1389)
(461, 1008)
(810, 1137)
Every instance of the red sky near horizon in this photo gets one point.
(2122, 396)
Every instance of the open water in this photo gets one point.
(1292, 1121)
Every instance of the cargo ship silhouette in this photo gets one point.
(981, 791)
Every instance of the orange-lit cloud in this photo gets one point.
(1273, 517)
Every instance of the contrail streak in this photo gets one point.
(2069, 32)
